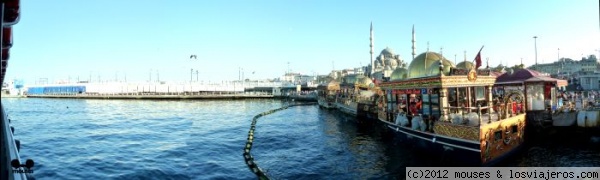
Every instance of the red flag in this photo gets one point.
(478, 59)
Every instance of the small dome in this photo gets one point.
(434, 69)
(333, 85)
(387, 62)
(387, 68)
(399, 74)
(465, 65)
(394, 63)
(365, 82)
(420, 66)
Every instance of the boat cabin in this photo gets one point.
(540, 90)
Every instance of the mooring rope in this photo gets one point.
(247, 156)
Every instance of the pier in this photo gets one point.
(224, 90)
(197, 95)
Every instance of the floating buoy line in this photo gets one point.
(247, 156)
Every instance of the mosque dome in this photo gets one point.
(388, 52)
(465, 65)
(399, 74)
(420, 66)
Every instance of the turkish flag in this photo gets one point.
(478, 60)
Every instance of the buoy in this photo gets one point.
(15, 163)
(29, 163)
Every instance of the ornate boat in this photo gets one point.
(449, 109)
(356, 96)
(326, 94)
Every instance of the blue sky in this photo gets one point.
(74, 38)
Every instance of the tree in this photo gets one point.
(520, 66)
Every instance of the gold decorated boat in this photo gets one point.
(445, 108)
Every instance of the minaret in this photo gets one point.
(414, 49)
(371, 45)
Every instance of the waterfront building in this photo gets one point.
(589, 80)
(568, 66)
(297, 78)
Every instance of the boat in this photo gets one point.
(12, 165)
(549, 110)
(449, 110)
(326, 94)
(357, 96)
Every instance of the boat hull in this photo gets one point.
(323, 103)
(461, 151)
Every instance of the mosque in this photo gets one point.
(388, 66)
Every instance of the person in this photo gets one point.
(413, 108)
(591, 100)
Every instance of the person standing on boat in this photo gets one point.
(413, 109)
(591, 100)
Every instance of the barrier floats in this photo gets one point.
(247, 156)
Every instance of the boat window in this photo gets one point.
(425, 104)
(535, 93)
(394, 102)
(480, 93)
(462, 97)
(497, 135)
(514, 129)
(435, 103)
(452, 98)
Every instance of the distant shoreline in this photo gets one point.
(175, 97)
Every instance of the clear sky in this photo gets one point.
(75, 38)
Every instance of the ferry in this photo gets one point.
(12, 167)
(450, 110)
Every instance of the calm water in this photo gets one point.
(143, 139)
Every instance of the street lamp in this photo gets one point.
(535, 45)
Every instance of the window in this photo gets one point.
(497, 135)
(480, 93)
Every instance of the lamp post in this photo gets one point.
(535, 45)
(558, 54)
(191, 75)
